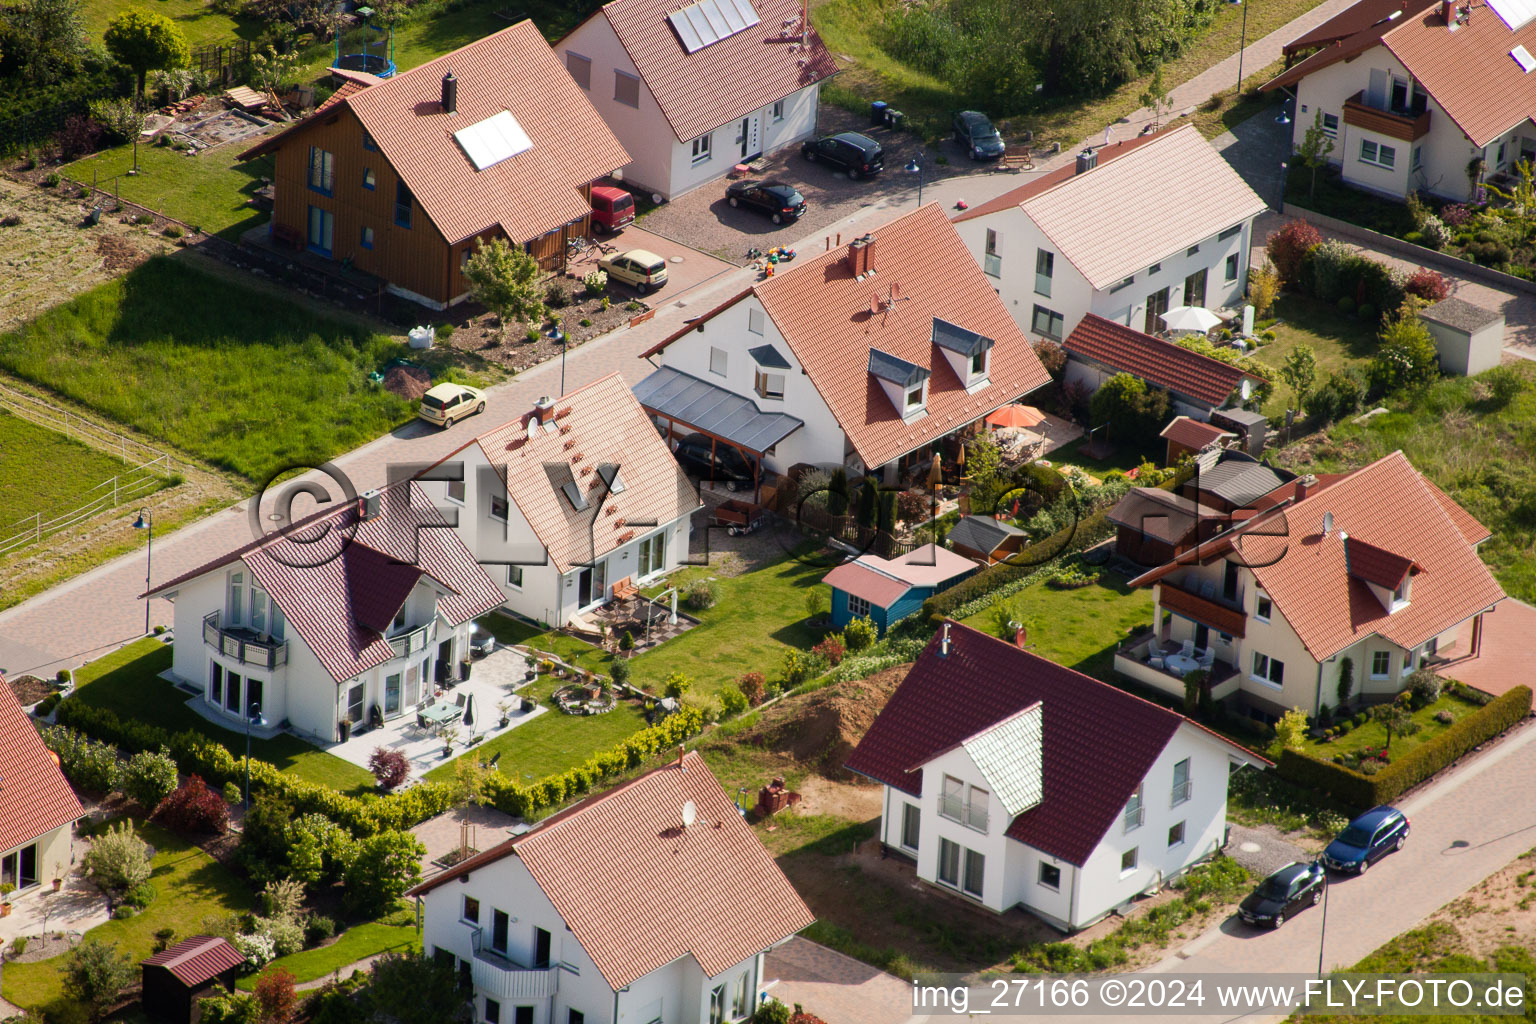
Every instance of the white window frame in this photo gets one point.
(718, 361)
(1233, 267)
(778, 110)
(911, 813)
(1045, 271)
(506, 512)
(921, 392)
(1040, 877)
(464, 910)
(1135, 811)
(702, 149)
(1377, 154)
(1331, 125)
(855, 602)
(1179, 840)
(1263, 670)
(945, 846)
(973, 887)
(455, 485)
(1133, 856)
(765, 385)
(1180, 792)
(1055, 323)
(1380, 656)
(515, 577)
(1261, 602)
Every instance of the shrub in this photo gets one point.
(79, 136)
(1263, 288)
(700, 595)
(1436, 234)
(1052, 356)
(1340, 396)
(1406, 359)
(815, 603)
(194, 808)
(531, 335)
(171, 231)
(754, 687)
(276, 994)
(1360, 718)
(118, 859)
(443, 332)
(831, 648)
(256, 948)
(1346, 305)
(556, 297)
(1429, 285)
(772, 1011)
(1131, 409)
(1445, 716)
(1366, 312)
(387, 864)
(1456, 214)
(1288, 247)
(860, 634)
(627, 641)
(1504, 383)
(283, 899)
(150, 777)
(140, 896)
(1424, 685)
(620, 670)
(52, 180)
(230, 1008)
(732, 701)
(1344, 728)
(90, 765)
(232, 794)
(389, 767)
(1332, 270)
(286, 934)
(676, 684)
(801, 666)
(317, 929)
(596, 282)
(96, 974)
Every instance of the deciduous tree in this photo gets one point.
(144, 40)
(1299, 371)
(96, 973)
(1312, 152)
(504, 279)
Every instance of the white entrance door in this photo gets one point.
(750, 137)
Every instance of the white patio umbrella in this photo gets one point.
(1190, 318)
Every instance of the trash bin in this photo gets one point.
(877, 112)
(896, 119)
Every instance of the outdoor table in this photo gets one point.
(1180, 663)
(442, 714)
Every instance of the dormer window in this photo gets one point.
(399, 623)
(917, 397)
(905, 383)
(969, 354)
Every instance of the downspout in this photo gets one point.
(885, 817)
(1072, 904)
(1317, 700)
(615, 1007)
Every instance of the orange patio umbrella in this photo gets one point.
(1016, 415)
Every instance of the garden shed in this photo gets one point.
(1469, 339)
(175, 979)
(889, 589)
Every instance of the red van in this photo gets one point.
(613, 209)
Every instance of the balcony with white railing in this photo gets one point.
(415, 640)
(502, 978)
(1181, 792)
(1134, 816)
(243, 645)
(971, 815)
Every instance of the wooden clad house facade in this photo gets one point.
(393, 177)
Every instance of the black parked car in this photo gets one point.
(781, 202)
(1367, 838)
(854, 153)
(1292, 888)
(976, 135)
(727, 465)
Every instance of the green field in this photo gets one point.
(127, 682)
(197, 19)
(227, 372)
(190, 886)
(45, 471)
(208, 191)
(1339, 341)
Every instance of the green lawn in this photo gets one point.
(208, 191)
(395, 933)
(45, 471)
(197, 19)
(231, 373)
(1077, 628)
(1373, 734)
(127, 682)
(1228, 109)
(1340, 342)
(190, 886)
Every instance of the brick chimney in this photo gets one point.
(1304, 486)
(450, 94)
(1019, 636)
(859, 252)
(544, 410)
(1448, 11)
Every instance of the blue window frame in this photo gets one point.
(369, 181)
(322, 170)
(322, 230)
(367, 238)
(403, 203)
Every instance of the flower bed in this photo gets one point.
(578, 699)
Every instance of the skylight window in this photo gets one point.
(1514, 13)
(709, 21)
(611, 477)
(573, 494)
(1524, 59)
(493, 140)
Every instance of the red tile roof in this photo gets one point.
(1388, 505)
(1353, 19)
(823, 313)
(1014, 198)
(1193, 433)
(1469, 72)
(197, 960)
(604, 425)
(527, 195)
(34, 798)
(1157, 362)
(337, 605)
(1377, 565)
(701, 91)
(639, 891)
(1099, 741)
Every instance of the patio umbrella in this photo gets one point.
(936, 470)
(1190, 318)
(469, 710)
(1016, 415)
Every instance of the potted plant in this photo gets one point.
(464, 667)
(58, 883)
(344, 728)
(6, 888)
(447, 734)
(528, 704)
(531, 664)
(505, 707)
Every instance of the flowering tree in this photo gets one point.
(389, 767)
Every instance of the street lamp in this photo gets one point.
(1323, 929)
(556, 334)
(917, 167)
(1241, 46)
(252, 717)
(146, 522)
(1284, 118)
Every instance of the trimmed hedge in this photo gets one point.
(1088, 532)
(368, 815)
(1362, 791)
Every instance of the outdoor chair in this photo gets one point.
(421, 720)
(460, 699)
(1207, 659)
(1187, 648)
(1156, 661)
(1208, 590)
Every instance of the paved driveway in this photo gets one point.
(837, 988)
(1504, 660)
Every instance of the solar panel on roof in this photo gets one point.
(1514, 13)
(493, 140)
(709, 21)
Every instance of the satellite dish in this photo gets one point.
(690, 814)
(1327, 523)
(875, 305)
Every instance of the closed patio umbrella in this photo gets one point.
(1190, 318)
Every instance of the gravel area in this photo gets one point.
(703, 219)
(1262, 850)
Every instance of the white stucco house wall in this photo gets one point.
(1377, 566)
(996, 784)
(692, 90)
(349, 613)
(577, 495)
(1411, 93)
(864, 356)
(652, 903)
(1129, 231)
(38, 809)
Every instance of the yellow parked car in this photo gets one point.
(641, 269)
(446, 403)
